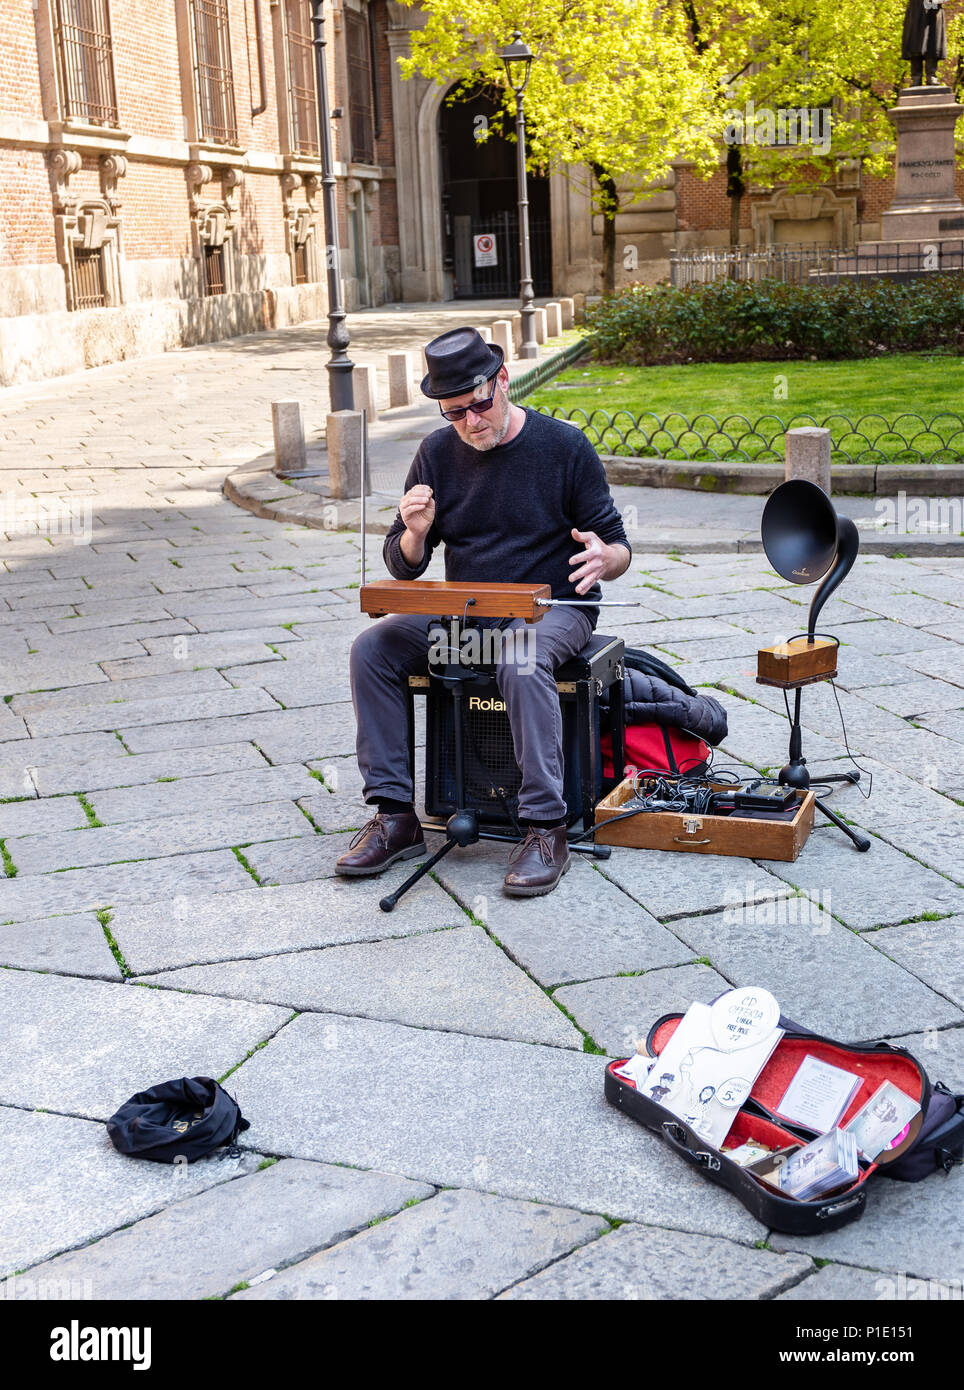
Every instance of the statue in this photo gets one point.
(924, 40)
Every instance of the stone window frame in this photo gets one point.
(288, 144)
(302, 225)
(214, 222)
(88, 223)
(194, 133)
(52, 98)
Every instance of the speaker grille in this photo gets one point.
(489, 756)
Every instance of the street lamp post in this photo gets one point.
(517, 57)
(339, 364)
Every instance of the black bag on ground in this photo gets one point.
(934, 1140)
(176, 1120)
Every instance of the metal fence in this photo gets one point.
(813, 264)
(869, 439)
(494, 281)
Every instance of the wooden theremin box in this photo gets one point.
(439, 597)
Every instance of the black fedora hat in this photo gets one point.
(458, 361)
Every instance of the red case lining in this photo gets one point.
(875, 1067)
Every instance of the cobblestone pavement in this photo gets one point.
(425, 1088)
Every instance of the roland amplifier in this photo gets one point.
(492, 776)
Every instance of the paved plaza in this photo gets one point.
(425, 1088)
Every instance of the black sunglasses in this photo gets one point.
(479, 407)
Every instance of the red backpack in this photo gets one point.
(657, 748)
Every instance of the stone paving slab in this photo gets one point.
(644, 1263)
(156, 838)
(84, 1047)
(454, 980)
(888, 637)
(208, 1243)
(584, 929)
(195, 928)
(519, 1120)
(41, 817)
(881, 887)
(282, 861)
(933, 951)
(618, 1013)
(844, 1284)
(941, 1052)
(193, 792)
(185, 683)
(64, 1184)
(895, 799)
(74, 944)
(42, 673)
(138, 769)
(796, 956)
(914, 1228)
(285, 736)
(912, 699)
(153, 714)
(676, 885)
(457, 1245)
(938, 843)
(154, 880)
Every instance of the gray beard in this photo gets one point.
(498, 434)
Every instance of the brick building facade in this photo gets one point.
(160, 182)
(160, 179)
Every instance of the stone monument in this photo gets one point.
(925, 206)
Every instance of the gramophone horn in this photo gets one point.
(799, 531)
(805, 540)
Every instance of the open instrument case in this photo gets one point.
(756, 1120)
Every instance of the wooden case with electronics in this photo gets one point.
(704, 834)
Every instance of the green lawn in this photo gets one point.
(696, 405)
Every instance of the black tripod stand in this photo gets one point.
(462, 827)
(795, 774)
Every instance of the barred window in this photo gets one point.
(301, 264)
(301, 78)
(85, 63)
(90, 291)
(360, 89)
(214, 78)
(213, 270)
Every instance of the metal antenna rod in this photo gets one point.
(588, 602)
(364, 485)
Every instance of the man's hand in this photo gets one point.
(596, 561)
(417, 509)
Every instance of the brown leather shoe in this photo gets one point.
(383, 840)
(538, 863)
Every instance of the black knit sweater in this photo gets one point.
(506, 515)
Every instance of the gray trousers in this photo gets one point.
(393, 648)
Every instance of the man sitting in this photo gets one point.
(507, 491)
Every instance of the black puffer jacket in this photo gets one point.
(655, 694)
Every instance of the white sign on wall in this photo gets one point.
(485, 249)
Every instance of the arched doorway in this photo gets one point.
(480, 197)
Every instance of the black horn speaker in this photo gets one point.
(806, 542)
